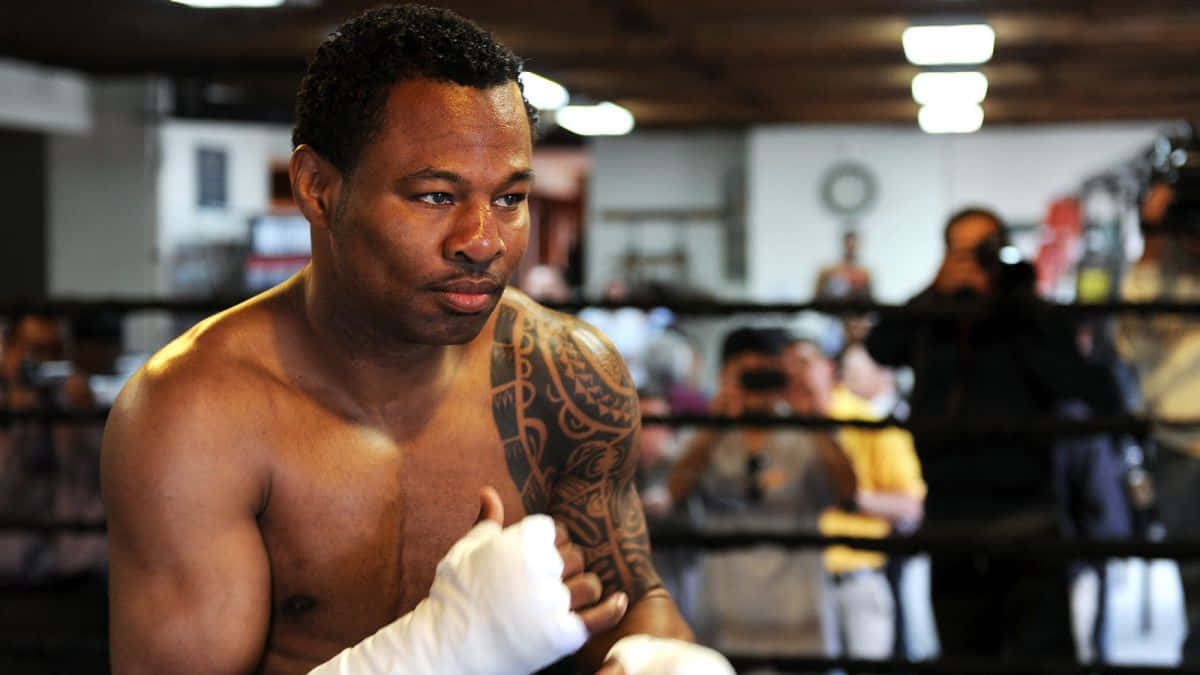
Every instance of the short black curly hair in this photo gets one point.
(339, 107)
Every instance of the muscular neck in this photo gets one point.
(379, 373)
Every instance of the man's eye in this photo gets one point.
(436, 198)
(511, 199)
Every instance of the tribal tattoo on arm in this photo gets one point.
(567, 413)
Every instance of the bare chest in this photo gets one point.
(357, 520)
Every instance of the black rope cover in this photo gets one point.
(955, 427)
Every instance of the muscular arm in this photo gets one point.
(597, 500)
(189, 586)
(567, 412)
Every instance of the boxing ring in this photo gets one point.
(85, 652)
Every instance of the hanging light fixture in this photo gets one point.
(602, 119)
(949, 45)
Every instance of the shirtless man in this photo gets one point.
(282, 480)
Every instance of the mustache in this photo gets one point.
(467, 278)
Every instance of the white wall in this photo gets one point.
(101, 195)
(660, 170)
(791, 235)
(250, 149)
(921, 180)
(1019, 168)
(101, 192)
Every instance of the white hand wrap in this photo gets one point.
(647, 655)
(497, 606)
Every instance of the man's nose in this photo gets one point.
(476, 237)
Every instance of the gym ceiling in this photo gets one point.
(673, 63)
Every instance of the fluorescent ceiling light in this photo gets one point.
(950, 118)
(942, 45)
(933, 88)
(543, 93)
(227, 4)
(602, 119)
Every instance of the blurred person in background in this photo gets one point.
(52, 470)
(1006, 361)
(659, 447)
(916, 630)
(629, 328)
(34, 341)
(95, 345)
(858, 617)
(28, 461)
(656, 352)
(846, 279)
(673, 368)
(546, 283)
(761, 600)
(871, 382)
(1165, 352)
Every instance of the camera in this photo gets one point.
(763, 379)
(1009, 275)
(45, 377)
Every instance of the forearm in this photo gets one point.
(691, 465)
(837, 465)
(892, 506)
(653, 614)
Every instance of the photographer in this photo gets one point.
(1001, 358)
(760, 600)
(1165, 351)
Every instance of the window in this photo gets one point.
(211, 168)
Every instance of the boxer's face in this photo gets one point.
(431, 223)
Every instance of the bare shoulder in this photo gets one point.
(578, 360)
(201, 376)
(568, 416)
(188, 406)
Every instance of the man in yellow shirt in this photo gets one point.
(858, 611)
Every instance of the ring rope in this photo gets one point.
(949, 427)
(675, 536)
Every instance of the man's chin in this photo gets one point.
(458, 329)
(431, 324)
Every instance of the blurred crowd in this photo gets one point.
(848, 481)
(1003, 360)
(50, 470)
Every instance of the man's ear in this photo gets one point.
(315, 185)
